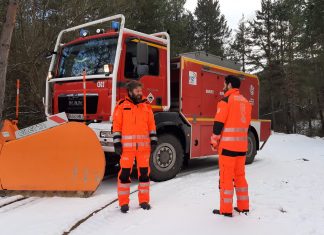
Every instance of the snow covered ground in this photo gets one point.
(286, 196)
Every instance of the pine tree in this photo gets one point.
(212, 29)
(181, 26)
(263, 31)
(263, 57)
(288, 29)
(242, 45)
(313, 50)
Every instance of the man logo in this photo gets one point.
(75, 103)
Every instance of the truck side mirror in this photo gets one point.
(142, 59)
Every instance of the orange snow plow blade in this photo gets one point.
(67, 157)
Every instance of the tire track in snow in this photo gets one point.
(186, 172)
(17, 204)
(10, 200)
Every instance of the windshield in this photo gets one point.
(90, 55)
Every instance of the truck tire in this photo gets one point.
(167, 159)
(250, 155)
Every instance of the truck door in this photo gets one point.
(191, 102)
(212, 84)
(152, 74)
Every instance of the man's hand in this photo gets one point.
(118, 148)
(214, 141)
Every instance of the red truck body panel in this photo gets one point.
(201, 89)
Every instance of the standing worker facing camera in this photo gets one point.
(230, 139)
(134, 135)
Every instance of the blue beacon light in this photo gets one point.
(115, 25)
(84, 33)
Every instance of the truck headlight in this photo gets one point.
(105, 134)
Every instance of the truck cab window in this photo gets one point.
(131, 62)
(90, 55)
(153, 61)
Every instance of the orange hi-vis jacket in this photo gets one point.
(134, 125)
(232, 121)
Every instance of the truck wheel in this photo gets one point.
(250, 155)
(167, 159)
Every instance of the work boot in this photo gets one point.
(124, 208)
(241, 211)
(145, 206)
(217, 212)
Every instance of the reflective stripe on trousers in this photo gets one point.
(120, 185)
(143, 190)
(143, 194)
(228, 200)
(144, 184)
(228, 192)
(123, 193)
(242, 198)
(123, 189)
(242, 189)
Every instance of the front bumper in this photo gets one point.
(106, 143)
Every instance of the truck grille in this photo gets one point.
(73, 103)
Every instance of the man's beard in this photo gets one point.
(136, 98)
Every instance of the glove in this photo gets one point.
(214, 141)
(153, 145)
(118, 148)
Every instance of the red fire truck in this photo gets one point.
(95, 66)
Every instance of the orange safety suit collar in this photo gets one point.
(231, 91)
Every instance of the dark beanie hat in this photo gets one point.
(235, 81)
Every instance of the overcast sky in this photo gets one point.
(232, 9)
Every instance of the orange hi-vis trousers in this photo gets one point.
(232, 169)
(126, 164)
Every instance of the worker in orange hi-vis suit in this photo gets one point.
(134, 135)
(230, 138)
